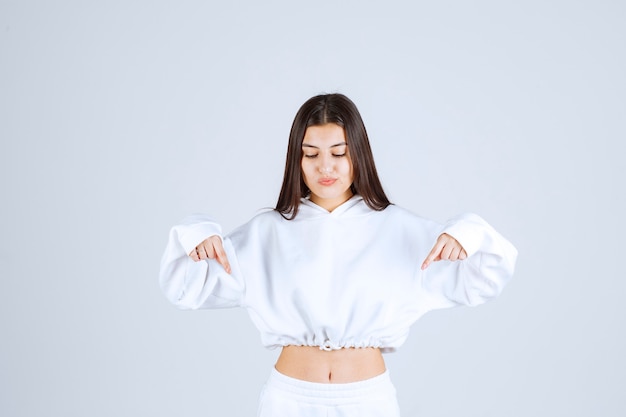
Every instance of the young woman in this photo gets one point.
(335, 275)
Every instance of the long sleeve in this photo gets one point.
(477, 279)
(204, 284)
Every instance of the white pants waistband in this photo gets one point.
(331, 393)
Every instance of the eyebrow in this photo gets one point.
(306, 145)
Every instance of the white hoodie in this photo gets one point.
(347, 278)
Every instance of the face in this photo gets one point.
(326, 165)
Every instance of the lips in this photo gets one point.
(327, 181)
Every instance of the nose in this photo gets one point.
(326, 163)
(326, 166)
(325, 169)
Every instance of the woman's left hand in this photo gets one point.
(446, 248)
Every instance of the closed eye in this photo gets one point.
(339, 155)
(310, 156)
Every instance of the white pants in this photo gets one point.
(284, 396)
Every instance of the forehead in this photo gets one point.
(324, 136)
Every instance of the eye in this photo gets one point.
(310, 156)
(339, 155)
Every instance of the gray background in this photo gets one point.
(119, 118)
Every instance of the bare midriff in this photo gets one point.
(310, 363)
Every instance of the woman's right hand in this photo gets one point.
(211, 248)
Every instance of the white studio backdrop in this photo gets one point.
(117, 119)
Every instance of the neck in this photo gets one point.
(331, 204)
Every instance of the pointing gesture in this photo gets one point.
(446, 248)
(211, 248)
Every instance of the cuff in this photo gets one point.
(468, 229)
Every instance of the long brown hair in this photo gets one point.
(321, 110)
